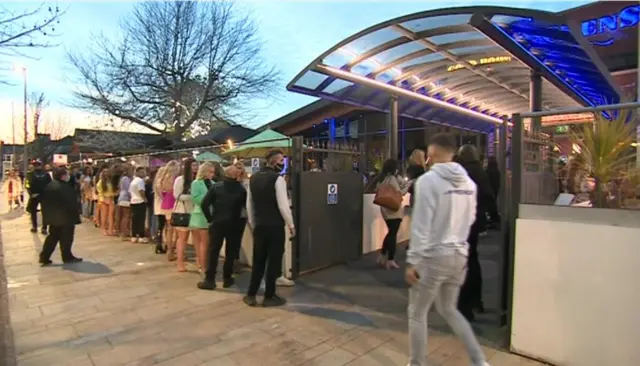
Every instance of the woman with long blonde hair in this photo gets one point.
(157, 210)
(164, 187)
(417, 167)
(106, 193)
(198, 222)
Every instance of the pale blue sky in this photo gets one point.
(294, 33)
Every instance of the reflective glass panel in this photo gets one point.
(395, 53)
(372, 40)
(456, 37)
(311, 80)
(337, 85)
(419, 25)
(338, 58)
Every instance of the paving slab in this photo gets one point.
(124, 305)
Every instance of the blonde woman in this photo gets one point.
(184, 205)
(417, 167)
(164, 187)
(157, 210)
(198, 222)
(123, 208)
(13, 188)
(107, 193)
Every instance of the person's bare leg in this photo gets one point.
(104, 221)
(183, 236)
(112, 218)
(170, 241)
(196, 247)
(204, 248)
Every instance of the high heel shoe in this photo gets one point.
(159, 249)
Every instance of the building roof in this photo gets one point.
(464, 67)
(113, 141)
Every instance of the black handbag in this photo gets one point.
(180, 219)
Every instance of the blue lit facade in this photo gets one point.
(462, 69)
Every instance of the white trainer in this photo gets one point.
(284, 282)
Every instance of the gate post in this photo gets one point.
(392, 129)
(295, 169)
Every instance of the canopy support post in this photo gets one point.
(392, 128)
(535, 99)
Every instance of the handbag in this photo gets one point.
(389, 197)
(180, 219)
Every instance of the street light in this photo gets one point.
(23, 69)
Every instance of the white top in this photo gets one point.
(283, 203)
(183, 201)
(136, 190)
(443, 212)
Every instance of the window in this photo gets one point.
(7, 157)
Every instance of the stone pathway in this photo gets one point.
(127, 306)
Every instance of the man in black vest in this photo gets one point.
(268, 212)
(35, 183)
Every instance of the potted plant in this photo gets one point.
(606, 156)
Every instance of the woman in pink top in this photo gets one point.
(166, 180)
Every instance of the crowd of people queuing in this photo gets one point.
(168, 206)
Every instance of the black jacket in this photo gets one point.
(37, 181)
(224, 202)
(414, 172)
(485, 193)
(59, 205)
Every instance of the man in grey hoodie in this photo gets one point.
(443, 212)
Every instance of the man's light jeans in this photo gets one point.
(440, 282)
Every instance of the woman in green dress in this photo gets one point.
(198, 223)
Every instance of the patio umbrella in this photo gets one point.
(260, 144)
(209, 156)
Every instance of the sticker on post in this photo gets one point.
(332, 194)
(255, 165)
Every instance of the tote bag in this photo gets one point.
(388, 196)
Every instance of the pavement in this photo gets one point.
(124, 305)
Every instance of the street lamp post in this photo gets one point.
(25, 156)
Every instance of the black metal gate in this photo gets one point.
(330, 221)
(327, 202)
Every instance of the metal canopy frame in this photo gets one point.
(469, 66)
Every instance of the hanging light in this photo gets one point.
(230, 143)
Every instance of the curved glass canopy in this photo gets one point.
(464, 67)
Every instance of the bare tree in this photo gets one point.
(37, 103)
(57, 128)
(179, 66)
(32, 28)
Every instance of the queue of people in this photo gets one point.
(169, 206)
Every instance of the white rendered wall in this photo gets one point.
(576, 296)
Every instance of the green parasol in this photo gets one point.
(209, 156)
(260, 144)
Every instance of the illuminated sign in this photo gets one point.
(628, 17)
(562, 129)
(482, 61)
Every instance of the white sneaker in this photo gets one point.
(284, 282)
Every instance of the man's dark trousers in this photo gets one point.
(58, 234)
(268, 249)
(219, 233)
(32, 207)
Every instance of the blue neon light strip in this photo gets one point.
(539, 43)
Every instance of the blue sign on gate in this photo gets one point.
(332, 194)
(255, 165)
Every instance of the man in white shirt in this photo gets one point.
(138, 206)
(268, 213)
(443, 212)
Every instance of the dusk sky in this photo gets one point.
(294, 33)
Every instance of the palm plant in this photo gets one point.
(606, 154)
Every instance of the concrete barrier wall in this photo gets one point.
(575, 296)
(373, 227)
